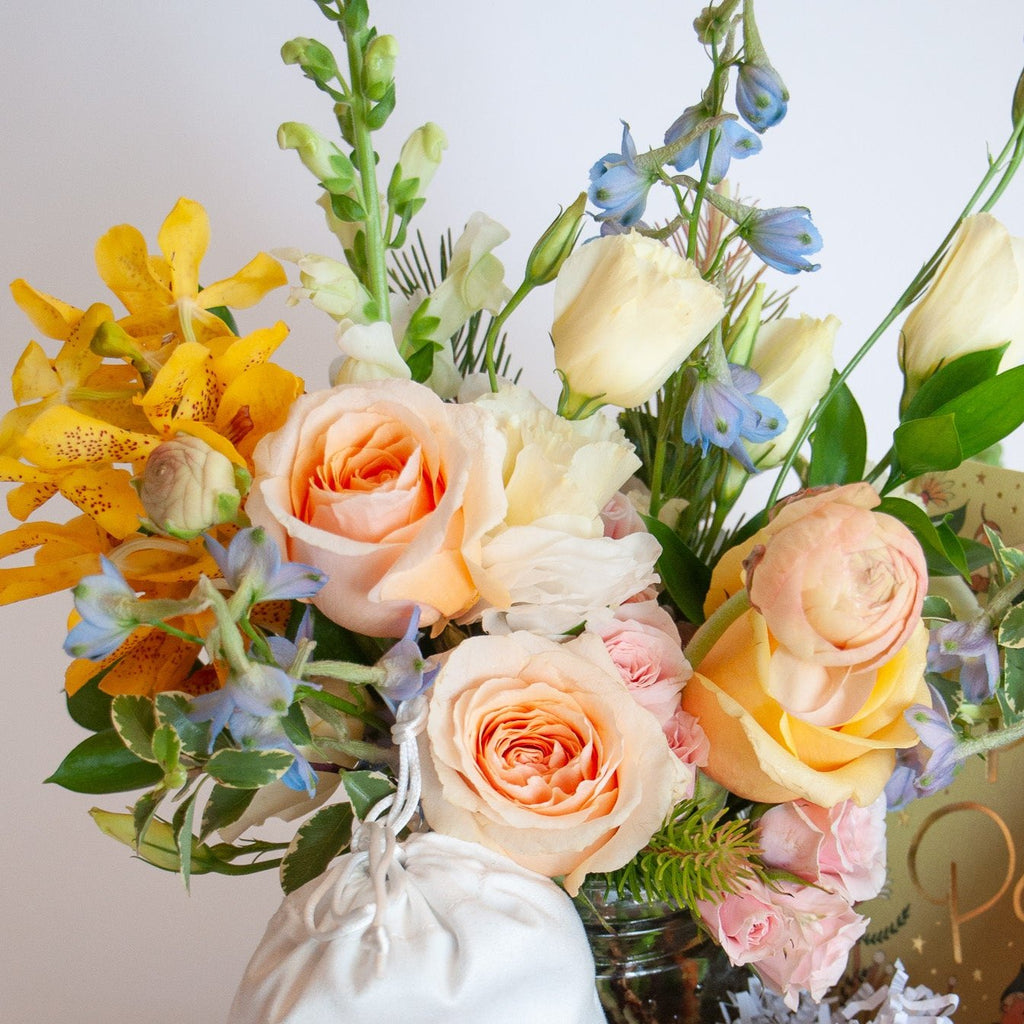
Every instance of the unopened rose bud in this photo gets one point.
(379, 66)
(188, 487)
(556, 243)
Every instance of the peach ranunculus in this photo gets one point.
(763, 752)
(389, 491)
(797, 937)
(841, 588)
(537, 750)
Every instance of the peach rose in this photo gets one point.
(537, 750)
(841, 588)
(389, 491)
(765, 753)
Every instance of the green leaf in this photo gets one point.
(1011, 629)
(158, 847)
(225, 314)
(1011, 693)
(925, 445)
(167, 752)
(145, 808)
(381, 111)
(942, 547)
(937, 608)
(347, 209)
(952, 380)
(365, 789)
(101, 763)
(685, 576)
(135, 721)
(89, 706)
(839, 444)
(296, 728)
(248, 769)
(183, 838)
(316, 844)
(172, 710)
(224, 807)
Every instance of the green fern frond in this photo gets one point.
(695, 856)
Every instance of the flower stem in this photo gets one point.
(711, 631)
(495, 327)
(990, 741)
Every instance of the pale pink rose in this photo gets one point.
(841, 848)
(688, 741)
(389, 491)
(536, 750)
(841, 588)
(798, 938)
(643, 642)
(620, 517)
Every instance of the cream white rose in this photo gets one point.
(628, 311)
(975, 302)
(537, 750)
(793, 358)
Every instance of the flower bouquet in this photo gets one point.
(456, 638)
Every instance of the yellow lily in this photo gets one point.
(162, 294)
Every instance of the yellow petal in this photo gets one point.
(13, 425)
(24, 500)
(252, 350)
(76, 360)
(183, 239)
(186, 388)
(34, 376)
(247, 286)
(53, 317)
(61, 438)
(105, 495)
(65, 553)
(160, 566)
(148, 662)
(261, 398)
(123, 264)
(215, 440)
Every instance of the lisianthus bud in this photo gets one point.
(793, 358)
(189, 486)
(975, 302)
(554, 246)
(379, 66)
(628, 311)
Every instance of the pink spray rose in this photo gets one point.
(389, 491)
(840, 848)
(797, 937)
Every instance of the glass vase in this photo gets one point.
(653, 963)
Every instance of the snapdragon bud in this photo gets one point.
(1017, 111)
(421, 157)
(321, 157)
(315, 59)
(188, 486)
(714, 23)
(379, 66)
(554, 246)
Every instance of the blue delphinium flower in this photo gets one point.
(724, 410)
(251, 706)
(782, 237)
(408, 672)
(252, 562)
(618, 187)
(109, 610)
(970, 647)
(733, 141)
(761, 96)
(932, 764)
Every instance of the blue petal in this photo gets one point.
(761, 96)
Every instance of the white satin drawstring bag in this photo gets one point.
(431, 930)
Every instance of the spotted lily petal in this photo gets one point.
(247, 286)
(53, 317)
(183, 239)
(123, 263)
(61, 438)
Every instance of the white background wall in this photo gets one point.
(114, 108)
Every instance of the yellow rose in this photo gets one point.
(628, 311)
(975, 302)
(764, 753)
(538, 750)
